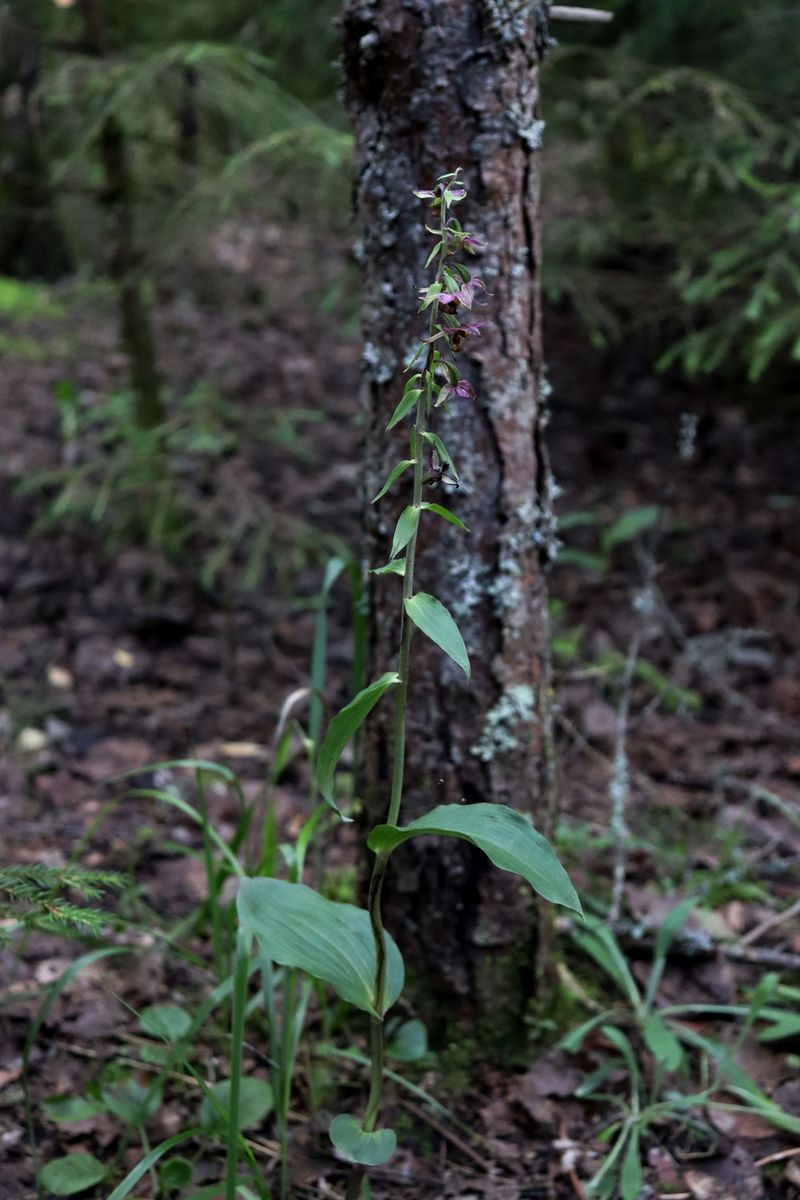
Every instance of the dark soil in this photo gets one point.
(111, 663)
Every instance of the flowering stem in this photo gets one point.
(424, 405)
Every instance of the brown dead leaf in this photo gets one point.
(741, 1124)
(552, 1077)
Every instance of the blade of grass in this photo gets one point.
(241, 973)
(211, 880)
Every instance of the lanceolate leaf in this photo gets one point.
(433, 619)
(393, 476)
(440, 448)
(629, 525)
(405, 529)
(342, 728)
(506, 837)
(354, 1144)
(662, 1042)
(331, 941)
(631, 1175)
(396, 567)
(409, 401)
(445, 514)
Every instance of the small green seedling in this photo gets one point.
(660, 1057)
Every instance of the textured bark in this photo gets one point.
(433, 86)
(125, 258)
(32, 242)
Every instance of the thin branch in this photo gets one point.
(570, 12)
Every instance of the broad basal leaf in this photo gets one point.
(342, 728)
(166, 1021)
(255, 1101)
(433, 619)
(71, 1174)
(505, 836)
(354, 1144)
(299, 928)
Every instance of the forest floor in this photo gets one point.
(111, 662)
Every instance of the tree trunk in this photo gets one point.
(125, 258)
(32, 242)
(431, 87)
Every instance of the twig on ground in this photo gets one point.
(778, 1156)
(479, 1159)
(696, 944)
(770, 922)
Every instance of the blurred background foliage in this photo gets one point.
(131, 132)
(673, 136)
(673, 190)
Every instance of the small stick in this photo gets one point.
(619, 784)
(769, 923)
(570, 12)
(479, 1159)
(778, 1156)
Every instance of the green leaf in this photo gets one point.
(396, 567)
(393, 477)
(409, 402)
(630, 1178)
(405, 529)
(440, 448)
(662, 1043)
(149, 1160)
(624, 1045)
(600, 944)
(667, 931)
(131, 1101)
(71, 1108)
(166, 1021)
(149, 1052)
(71, 1174)
(581, 558)
(445, 514)
(342, 728)
(506, 837)
(630, 525)
(409, 1043)
(432, 618)
(255, 1101)
(783, 1024)
(175, 1174)
(330, 941)
(576, 520)
(573, 1040)
(369, 1149)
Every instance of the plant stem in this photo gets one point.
(424, 405)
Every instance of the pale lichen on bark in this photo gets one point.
(433, 86)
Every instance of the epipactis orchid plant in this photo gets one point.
(296, 927)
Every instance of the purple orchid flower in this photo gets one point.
(473, 243)
(463, 389)
(456, 333)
